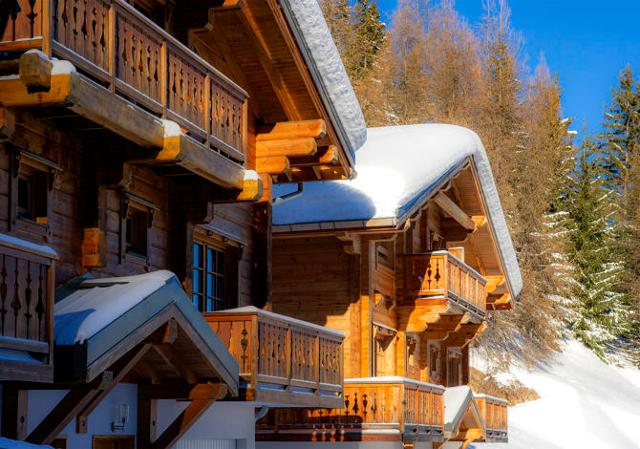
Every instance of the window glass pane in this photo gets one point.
(220, 288)
(210, 285)
(220, 262)
(197, 281)
(210, 305)
(197, 255)
(23, 194)
(211, 265)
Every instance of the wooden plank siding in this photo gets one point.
(313, 280)
(67, 149)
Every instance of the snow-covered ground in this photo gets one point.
(584, 404)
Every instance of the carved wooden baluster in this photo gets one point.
(3, 293)
(32, 15)
(15, 304)
(27, 299)
(40, 305)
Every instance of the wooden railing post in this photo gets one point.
(112, 45)
(316, 361)
(288, 354)
(164, 76)
(51, 287)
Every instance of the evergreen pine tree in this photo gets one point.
(600, 310)
(620, 143)
(369, 37)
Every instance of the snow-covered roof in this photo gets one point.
(325, 65)
(399, 168)
(98, 302)
(102, 315)
(457, 401)
(6, 443)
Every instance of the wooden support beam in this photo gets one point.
(252, 188)
(229, 4)
(14, 412)
(120, 369)
(470, 436)
(168, 355)
(202, 397)
(35, 71)
(352, 243)
(316, 129)
(454, 211)
(274, 165)
(68, 408)
(261, 48)
(295, 146)
(330, 157)
(416, 317)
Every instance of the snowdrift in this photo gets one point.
(584, 404)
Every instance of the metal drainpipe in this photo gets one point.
(290, 195)
(261, 412)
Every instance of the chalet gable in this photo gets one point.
(441, 163)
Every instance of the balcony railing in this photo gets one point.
(119, 47)
(494, 412)
(374, 408)
(26, 306)
(283, 361)
(440, 274)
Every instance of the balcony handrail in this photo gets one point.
(27, 283)
(490, 398)
(173, 41)
(47, 252)
(116, 45)
(454, 259)
(395, 380)
(252, 310)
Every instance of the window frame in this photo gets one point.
(230, 250)
(131, 205)
(28, 166)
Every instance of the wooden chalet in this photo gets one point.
(138, 137)
(407, 259)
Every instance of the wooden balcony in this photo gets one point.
(117, 47)
(494, 413)
(375, 409)
(439, 274)
(283, 362)
(26, 310)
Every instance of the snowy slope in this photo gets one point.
(584, 404)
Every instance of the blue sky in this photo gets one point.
(586, 42)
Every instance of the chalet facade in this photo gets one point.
(138, 145)
(406, 260)
(184, 252)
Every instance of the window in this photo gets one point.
(32, 195)
(214, 281)
(137, 229)
(136, 223)
(31, 188)
(384, 351)
(454, 367)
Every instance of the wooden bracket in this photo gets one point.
(454, 211)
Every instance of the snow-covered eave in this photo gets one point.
(307, 23)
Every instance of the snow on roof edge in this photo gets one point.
(497, 221)
(325, 65)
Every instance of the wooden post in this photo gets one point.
(164, 76)
(207, 108)
(14, 413)
(113, 46)
(51, 285)
(47, 28)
